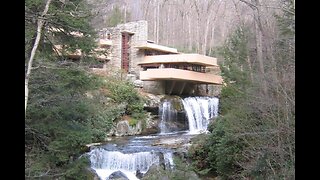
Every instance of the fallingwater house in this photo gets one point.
(157, 69)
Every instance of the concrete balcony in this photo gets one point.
(196, 59)
(180, 75)
(156, 47)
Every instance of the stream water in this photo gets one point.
(131, 156)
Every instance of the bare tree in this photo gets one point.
(255, 6)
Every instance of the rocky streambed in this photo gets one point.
(152, 155)
(131, 157)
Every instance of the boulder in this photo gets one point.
(138, 83)
(123, 128)
(118, 175)
(139, 174)
(155, 172)
(151, 124)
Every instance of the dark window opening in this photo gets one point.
(125, 54)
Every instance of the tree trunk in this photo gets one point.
(168, 29)
(125, 13)
(211, 40)
(155, 23)
(182, 33)
(250, 68)
(158, 22)
(198, 34)
(206, 32)
(33, 51)
(259, 45)
(189, 34)
(255, 6)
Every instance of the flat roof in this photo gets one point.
(156, 47)
(196, 59)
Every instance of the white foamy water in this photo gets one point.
(106, 162)
(168, 157)
(199, 111)
(167, 114)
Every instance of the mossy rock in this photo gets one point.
(176, 102)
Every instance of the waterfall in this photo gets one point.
(107, 162)
(168, 114)
(168, 157)
(199, 111)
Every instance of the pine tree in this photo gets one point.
(55, 23)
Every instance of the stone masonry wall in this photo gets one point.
(140, 34)
(154, 87)
(213, 90)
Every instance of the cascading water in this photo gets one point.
(167, 114)
(168, 159)
(199, 111)
(106, 162)
(133, 158)
(136, 156)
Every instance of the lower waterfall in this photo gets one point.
(106, 162)
(130, 160)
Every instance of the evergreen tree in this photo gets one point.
(61, 22)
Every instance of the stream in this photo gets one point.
(130, 157)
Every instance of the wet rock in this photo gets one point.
(123, 128)
(155, 172)
(118, 175)
(151, 124)
(131, 77)
(139, 174)
(152, 101)
(91, 174)
(138, 83)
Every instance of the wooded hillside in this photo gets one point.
(254, 41)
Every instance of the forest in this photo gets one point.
(253, 40)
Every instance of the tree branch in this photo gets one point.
(252, 6)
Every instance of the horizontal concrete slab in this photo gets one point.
(156, 47)
(180, 75)
(196, 59)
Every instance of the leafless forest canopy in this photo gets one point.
(189, 25)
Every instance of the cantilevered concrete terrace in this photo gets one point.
(101, 53)
(179, 67)
(179, 73)
(196, 59)
(156, 47)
